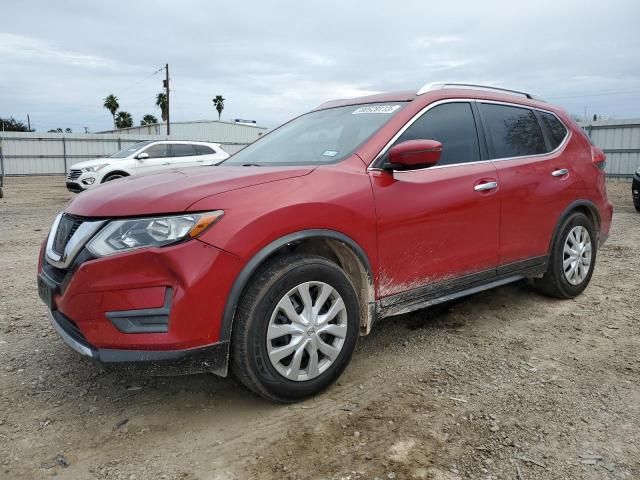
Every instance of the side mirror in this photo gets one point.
(142, 156)
(416, 153)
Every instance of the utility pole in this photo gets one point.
(28, 122)
(166, 87)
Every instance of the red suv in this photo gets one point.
(276, 261)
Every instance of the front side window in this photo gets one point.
(319, 137)
(182, 150)
(557, 130)
(512, 131)
(157, 151)
(451, 124)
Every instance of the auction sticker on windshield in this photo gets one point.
(376, 109)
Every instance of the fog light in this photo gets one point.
(88, 181)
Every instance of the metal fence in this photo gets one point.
(54, 153)
(620, 140)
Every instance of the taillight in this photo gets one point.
(598, 157)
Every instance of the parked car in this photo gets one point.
(274, 262)
(635, 189)
(141, 158)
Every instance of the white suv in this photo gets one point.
(141, 158)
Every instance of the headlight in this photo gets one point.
(95, 168)
(129, 234)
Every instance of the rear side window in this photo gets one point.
(204, 150)
(157, 151)
(451, 124)
(182, 150)
(512, 131)
(557, 131)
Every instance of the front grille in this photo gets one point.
(66, 228)
(74, 174)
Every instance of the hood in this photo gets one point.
(93, 161)
(172, 191)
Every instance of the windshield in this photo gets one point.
(323, 136)
(130, 150)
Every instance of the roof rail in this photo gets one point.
(429, 87)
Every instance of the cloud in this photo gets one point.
(272, 61)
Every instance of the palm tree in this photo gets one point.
(161, 102)
(148, 119)
(111, 104)
(124, 120)
(218, 103)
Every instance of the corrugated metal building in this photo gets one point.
(620, 140)
(36, 153)
(211, 130)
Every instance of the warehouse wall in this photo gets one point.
(53, 153)
(211, 129)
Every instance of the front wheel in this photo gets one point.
(112, 176)
(295, 328)
(572, 259)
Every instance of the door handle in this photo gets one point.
(560, 173)
(486, 186)
(168, 163)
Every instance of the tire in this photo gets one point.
(112, 176)
(635, 204)
(556, 282)
(260, 313)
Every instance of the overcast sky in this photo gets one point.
(272, 60)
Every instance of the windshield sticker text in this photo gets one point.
(376, 109)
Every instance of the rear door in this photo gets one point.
(438, 225)
(184, 155)
(535, 177)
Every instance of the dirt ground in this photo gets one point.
(506, 384)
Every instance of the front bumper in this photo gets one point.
(75, 187)
(147, 305)
(212, 358)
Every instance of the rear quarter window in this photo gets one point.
(557, 131)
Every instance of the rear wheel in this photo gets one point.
(295, 328)
(572, 260)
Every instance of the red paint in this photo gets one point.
(416, 227)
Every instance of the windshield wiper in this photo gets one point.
(251, 165)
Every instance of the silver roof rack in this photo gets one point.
(430, 87)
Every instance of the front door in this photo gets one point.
(158, 159)
(441, 224)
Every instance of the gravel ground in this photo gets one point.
(504, 385)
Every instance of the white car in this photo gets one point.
(141, 158)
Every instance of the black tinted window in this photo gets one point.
(157, 151)
(512, 131)
(452, 125)
(204, 150)
(555, 127)
(182, 150)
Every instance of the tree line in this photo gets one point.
(123, 119)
